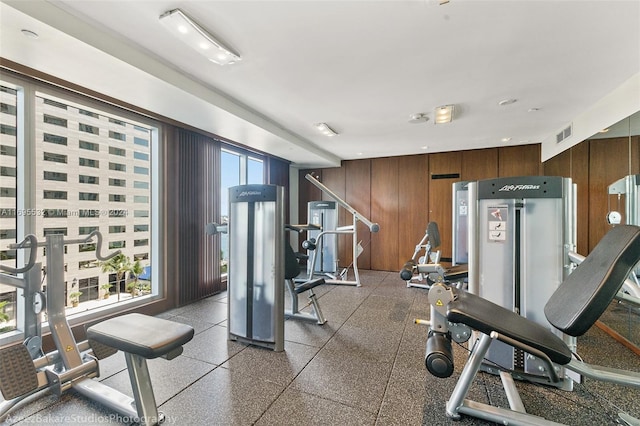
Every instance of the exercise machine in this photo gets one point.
(324, 215)
(460, 224)
(256, 256)
(521, 230)
(297, 286)
(571, 310)
(26, 371)
(423, 270)
(261, 264)
(349, 229)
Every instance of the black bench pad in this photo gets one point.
(485, 316)
(456, 273)
(308, 285)
(142, 335)
(584, 295)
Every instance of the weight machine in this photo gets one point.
(349, 229)
(26, 371)
(571, 310)
(423, 271)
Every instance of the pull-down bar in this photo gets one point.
(373, 227)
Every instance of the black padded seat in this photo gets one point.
(292, 270)
(148, 337)
(456, 273)
(485, 316)
(580, 300)
(308, 285)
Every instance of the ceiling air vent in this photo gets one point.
(564, 134)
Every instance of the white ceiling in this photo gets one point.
(361, 66)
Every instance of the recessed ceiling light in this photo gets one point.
(359, 153)
(533, 110)
(30, 34)
(505, 139)
(443, 114)
(419, 117)
(604, 130)
(424, 148)
(507, 102)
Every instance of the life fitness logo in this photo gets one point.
(511, 188)
(248, 193)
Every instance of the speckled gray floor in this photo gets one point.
(365, 366)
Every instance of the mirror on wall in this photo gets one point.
(622, 318)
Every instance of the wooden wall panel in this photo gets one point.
(580, 176)
(444, 169)
(522, 160)
(335, 179)
(384, 209)
(358, 195)
(574, 163)
(479, 164)
(413, 204)
(560, 165)
(608, 162)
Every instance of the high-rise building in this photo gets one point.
(92, 172)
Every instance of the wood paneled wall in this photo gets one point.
(404, 193)
(593, 165)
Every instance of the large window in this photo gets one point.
(8, 200)
(79, 199)
(236, 168)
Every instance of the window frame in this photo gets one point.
(26, 120)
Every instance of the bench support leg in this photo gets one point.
(142, 390)
(468, 374)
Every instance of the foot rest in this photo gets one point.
(18, 375)
(308, 285)
(142, 335)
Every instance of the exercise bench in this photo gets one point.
(140, 337)
(572, 309)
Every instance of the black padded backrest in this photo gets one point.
(434, 235)
(580, 300)
(291, 265)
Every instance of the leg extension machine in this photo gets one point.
(573, 308)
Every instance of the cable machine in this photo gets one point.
(349, 229)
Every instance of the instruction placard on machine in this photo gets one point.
(497, 219)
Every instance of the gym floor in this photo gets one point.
(365, 366)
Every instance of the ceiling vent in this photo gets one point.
(564, 134)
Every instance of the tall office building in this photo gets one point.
(92, 171)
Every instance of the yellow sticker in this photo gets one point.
(439, 303)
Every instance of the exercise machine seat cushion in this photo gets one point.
(308, 285)
(138, 334)
(485, 316)
(584, 295)
(456, 273)
(291, 265)
(434, 235)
